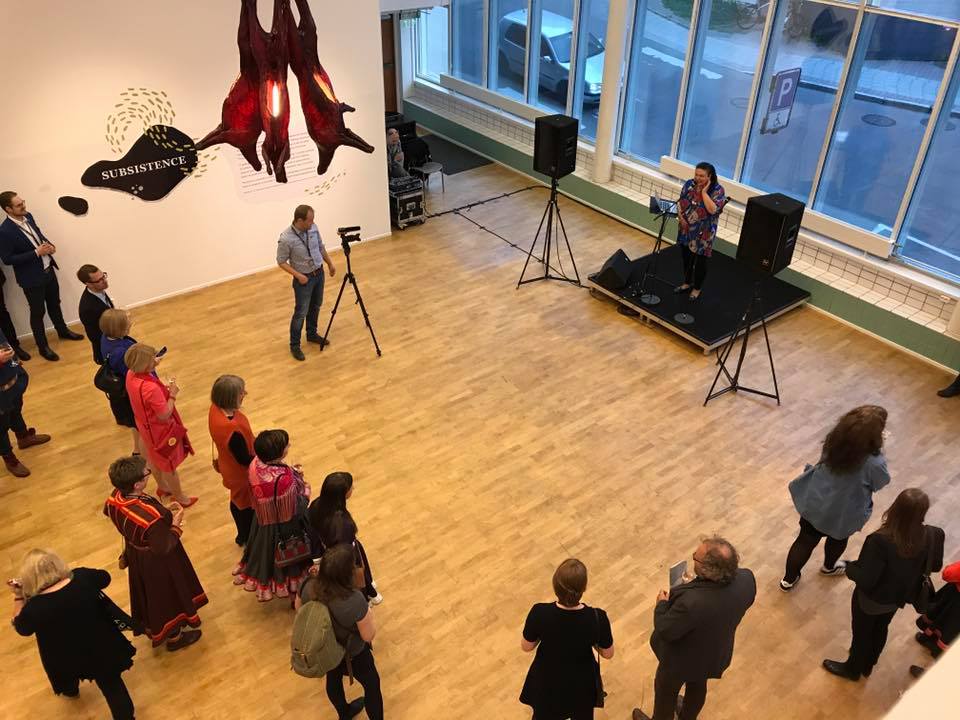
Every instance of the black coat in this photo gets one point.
(693, 631)
(887, 578)
(91, 308)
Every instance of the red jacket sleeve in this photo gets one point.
(951, 573)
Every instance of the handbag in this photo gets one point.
(172, 435)
(294, 548)
(108, 381)
(601, 693)
(359, 571)
(118, 617)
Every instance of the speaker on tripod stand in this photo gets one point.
(767, 240)
(554, 155)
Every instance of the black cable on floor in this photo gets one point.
(472, 205)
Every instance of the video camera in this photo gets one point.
(349, 234)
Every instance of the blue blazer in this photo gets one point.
(16, 249)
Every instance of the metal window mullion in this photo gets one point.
(532, 69)
(526, 55)
(485, 65)
(772, 11)
(837, 102)
(449, 63)
(575, 50)
(685, 77)
(945, 85)
(632, 20)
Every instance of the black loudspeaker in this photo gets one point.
(769, 232)
(615, 273)
(555, 145)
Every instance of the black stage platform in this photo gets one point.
(717, 312)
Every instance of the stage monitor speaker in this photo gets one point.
(615, 273)
(769, 232)
(555, 145)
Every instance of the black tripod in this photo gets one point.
(650, 269)
(345, 239)
(552, 209)
(754, 306)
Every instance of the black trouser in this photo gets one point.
(365, 672)
(666, 688)
(242, 519)
(869, 637)
(47, 294)
(6, 323)
(11, 420)
(803, 547)
(116, 695)
(694, 267)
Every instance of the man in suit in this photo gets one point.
(23, 245)
(694, 625)
(6, 325)
(93, 302)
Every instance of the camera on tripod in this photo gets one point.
(349, 235)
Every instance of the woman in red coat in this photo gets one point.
(233, 438)
(154, 407)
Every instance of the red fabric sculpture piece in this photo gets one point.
(321, 109)
(259, 99)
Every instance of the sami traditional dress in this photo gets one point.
(165, 592)
(280, 501)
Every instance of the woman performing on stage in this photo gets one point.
(701, 202)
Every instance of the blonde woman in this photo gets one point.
(154, 406)
(114, 341)
(76, 636)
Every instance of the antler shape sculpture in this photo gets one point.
(321, 109)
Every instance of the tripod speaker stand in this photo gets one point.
(754, 307)
(547, 222)
(349, 235)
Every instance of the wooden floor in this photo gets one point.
(501, 432)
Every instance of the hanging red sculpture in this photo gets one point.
(259, 100)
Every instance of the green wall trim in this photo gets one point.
(888, 325)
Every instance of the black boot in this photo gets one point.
(840, 669)
(951, 389)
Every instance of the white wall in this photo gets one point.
(66, 64)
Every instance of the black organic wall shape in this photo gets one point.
(74, 205)
(158, 161)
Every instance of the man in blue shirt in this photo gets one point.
(300, 253)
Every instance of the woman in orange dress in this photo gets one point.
(154, 407)
(233, 438)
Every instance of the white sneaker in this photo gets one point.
(376, 600)
(787, 587)
(839, 568)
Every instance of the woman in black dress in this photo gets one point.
(887, 574)
(333, 524)
(562, 681)
(76, 634)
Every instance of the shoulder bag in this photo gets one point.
(601, 693)
(925, 590)
(108, 381)
(295, 547)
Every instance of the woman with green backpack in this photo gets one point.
(329, 603)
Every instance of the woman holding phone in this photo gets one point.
(154, 406)
(701, 202)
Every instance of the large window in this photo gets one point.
(721, 79)
(895, 74)
(433, 43)
(591, 34)
(658, 53)
(931, 232)
(808, 48)
(467, 41)
(507, 65)
(552, 57)
(946, 9)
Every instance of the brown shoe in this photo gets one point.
(31, 438)
(16, 468)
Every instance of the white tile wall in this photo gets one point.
(862, 279)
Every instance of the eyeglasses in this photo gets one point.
(696, 559)
(147, 472)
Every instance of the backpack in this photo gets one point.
(314, 650)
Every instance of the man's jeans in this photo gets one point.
(307, 299)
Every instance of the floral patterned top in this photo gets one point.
(702, 225)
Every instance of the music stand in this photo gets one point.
(663, 210)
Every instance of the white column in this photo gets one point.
(406, 59)
(610, 97)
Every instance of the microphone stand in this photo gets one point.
(663, 211)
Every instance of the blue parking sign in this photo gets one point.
(783, 90)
